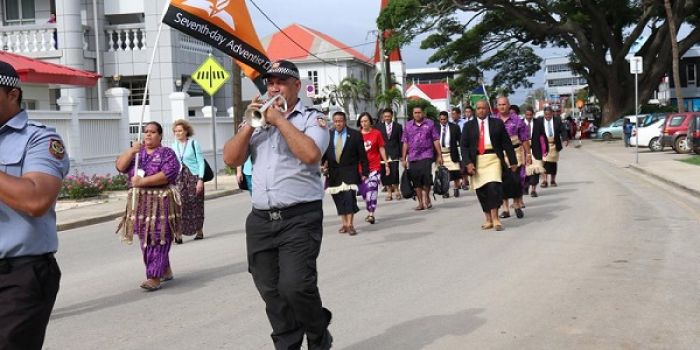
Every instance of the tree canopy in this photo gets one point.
(500, 36)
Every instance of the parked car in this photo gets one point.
(676, 130)
(614, 130)
(695, 127)
(610, 131)
(649, 135)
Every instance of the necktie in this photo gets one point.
(550, 131)
(444, 135)
(482, 142)
(388, 130)
(338, 146)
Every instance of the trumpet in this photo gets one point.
(255, 116)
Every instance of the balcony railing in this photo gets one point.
(126, 37)
(191, 44)
(28, 38)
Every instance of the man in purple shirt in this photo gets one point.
(421, 144)
(520, 137)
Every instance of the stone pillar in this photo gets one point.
(179, 105)
(118, 101)
(68, 104)
(70, 42)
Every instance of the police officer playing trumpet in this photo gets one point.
(284, 229)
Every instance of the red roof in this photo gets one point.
(435, 91)
(41, 72)
(279, 46)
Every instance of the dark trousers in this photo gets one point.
(27, 295)
(282, 259)
(533, 180)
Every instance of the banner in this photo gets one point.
(225, 25)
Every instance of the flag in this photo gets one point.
(225, 25)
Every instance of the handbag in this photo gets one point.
(406, 187)
(208, 173)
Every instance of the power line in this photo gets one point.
(338, 49)
(289, 37)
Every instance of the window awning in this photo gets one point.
(41, 72)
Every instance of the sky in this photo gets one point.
(350, 22)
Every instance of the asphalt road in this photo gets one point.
(608, 260)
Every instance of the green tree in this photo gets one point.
(428, 109)
(390, 98)
(500, 35)
(352, 90)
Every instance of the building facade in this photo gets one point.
(690, 86)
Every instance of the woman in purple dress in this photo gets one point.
(155, 215)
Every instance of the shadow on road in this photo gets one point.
(418, 333)
(184, 283)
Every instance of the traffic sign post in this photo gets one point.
(636, 68)
(211, 76)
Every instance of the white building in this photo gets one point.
(560, 80)
(323, 63)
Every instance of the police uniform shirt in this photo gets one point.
(280, 179)
(28, 147)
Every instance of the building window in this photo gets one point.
(566, 82)
(554, 68)
(137, 86)
(313, 76)
(18, 12)
(691, 73)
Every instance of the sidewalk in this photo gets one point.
(664, 166)
(74, 214)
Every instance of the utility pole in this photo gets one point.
(383, 63)
(237, 94)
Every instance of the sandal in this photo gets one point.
(486, 226)
(150, 286)
(430, 206)
(504, 215)
(370, 219)
(200, 235)
(498, 227)
(167, 278)
(419, 208)
(388, 198)
(351, 231)
(343, 230)
(398, 197)
(554, 184)
(544, 185)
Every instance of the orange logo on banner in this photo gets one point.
(229, 15)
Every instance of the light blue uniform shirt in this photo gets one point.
(27, 147)
(190, 155)
(280, 179)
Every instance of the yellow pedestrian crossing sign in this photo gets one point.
(211, 76)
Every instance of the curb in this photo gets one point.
(116, 214)
(677, 185)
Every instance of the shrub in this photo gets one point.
(80, 185)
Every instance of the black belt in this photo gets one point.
(488, 151)
(289, 212)
(7, 264)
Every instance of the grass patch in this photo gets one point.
(694, 160)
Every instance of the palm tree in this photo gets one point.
(389, 99)
(676, 58)
(352, 90)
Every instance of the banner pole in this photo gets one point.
(145, 97)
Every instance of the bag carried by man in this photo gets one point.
(406, 186)
(441, 184)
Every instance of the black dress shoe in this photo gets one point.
(446, 195)
(519, 213)
(178, 240)
(533, 194)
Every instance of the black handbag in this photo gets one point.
(208, 173)
(406, 187)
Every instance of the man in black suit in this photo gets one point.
(391, 132)
(538, 147)
(449, 144)
(343, 157)
(483, 143)
(554, 133)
